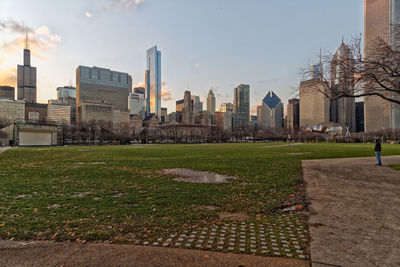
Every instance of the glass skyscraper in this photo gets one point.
(241, 106)
(381, 19)
(153, 83)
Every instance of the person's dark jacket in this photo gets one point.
(378, 147)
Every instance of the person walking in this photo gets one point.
(378, 149)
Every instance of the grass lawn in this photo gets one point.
(53, 193)
(397, 167)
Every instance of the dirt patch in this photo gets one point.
(241, 217)
(298, 153)
(91, 163)
(81, 195)
(201, 207)
(199, 177)
(272, 146)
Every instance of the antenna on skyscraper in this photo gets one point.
(320, 56)
(26, 40)
(321, 71)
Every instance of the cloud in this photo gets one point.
(139, 84)
(40, 40)
(197, 65)
(8, 76)
(166, 94)
(88, 14)
(121, 4)
(13, 26)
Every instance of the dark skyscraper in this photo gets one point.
(241, 106)
(26, 78)
(359, 117)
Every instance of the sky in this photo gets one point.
(205, 44)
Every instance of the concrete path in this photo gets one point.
(19, 253)
(4, 148)
(355, 211)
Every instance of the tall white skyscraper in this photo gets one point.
(153, 83)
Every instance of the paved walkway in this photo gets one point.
(4, 148)
(19, 253)
(355, 211)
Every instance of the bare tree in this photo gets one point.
(350, 73)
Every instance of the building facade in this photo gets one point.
(241, 106)
(223, 121)
(197, 104)
(270, 115)
(95, 84)
(211, 102)
(342, 110)
(7, 92)
(187, 112)
(381, 19)
(139, 90)
(58, 112)
(226, 107)
(314, 105)
(137, 104)
(360, 117)
(66, 92)
(12, 110)
(26, 79)
(36, 112)
(153, 82)
(293, 115)
(89, 111)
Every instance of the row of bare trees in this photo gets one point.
(93, 133)
(374, 73)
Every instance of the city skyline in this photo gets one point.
(197, 71)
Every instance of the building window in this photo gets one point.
(90, 74)
(119, 77)
(98, 74)
(111, 76)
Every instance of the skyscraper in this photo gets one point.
(65, 92)
(380, 19)
(153, 82)
(226, 107)
(187, 112)
(137, 104)
(197, 104)
(211, 102)
(343, 110)
(26, 78)
(316, 71)
(293, 115)
(104, 86)
(241, 106)
(314, 105)
(7, 92)
(270, 115)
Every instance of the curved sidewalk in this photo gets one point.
(20, 253)
(354, 211)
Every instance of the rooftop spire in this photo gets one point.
(26, 41)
